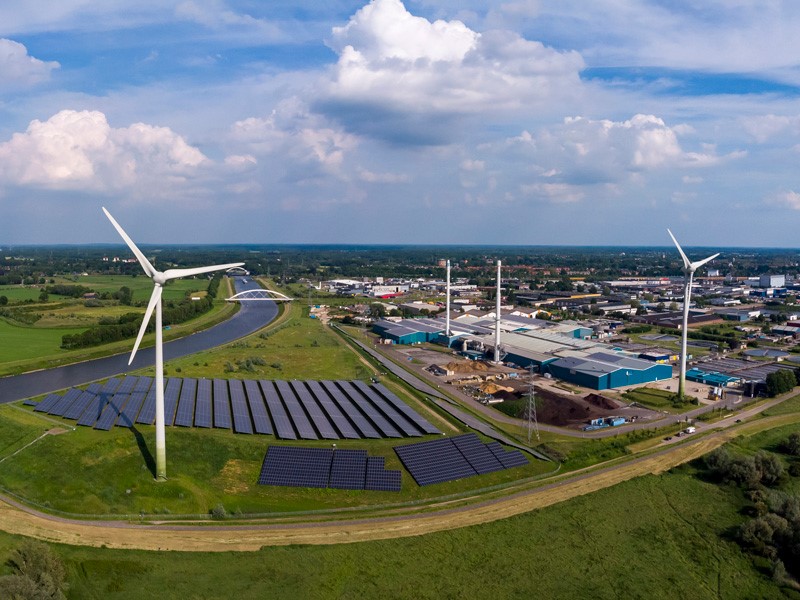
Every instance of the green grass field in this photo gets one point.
(16, 293)
(655, 399)
(299, 348)
(651, 538)
(24, 343)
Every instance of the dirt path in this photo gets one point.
(18, 519)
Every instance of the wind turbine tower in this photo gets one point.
(497, 320)
(159, 279)
(447, 305)
(688, 269)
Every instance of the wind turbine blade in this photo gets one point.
(176, 273)
(154, 299)
(686, 262)
(148, 268)
(700, 263)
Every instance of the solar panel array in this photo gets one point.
(289, 410)
(327, 468)
(447, 459)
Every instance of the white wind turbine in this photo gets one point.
(159, 279)
(688, 269)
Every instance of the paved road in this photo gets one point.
(251, 317)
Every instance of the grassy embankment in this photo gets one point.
(651, 537)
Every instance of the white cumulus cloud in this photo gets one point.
(18, 69)
(80, 150)
(292, 133)
(395, 64)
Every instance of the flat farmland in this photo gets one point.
(24, 343)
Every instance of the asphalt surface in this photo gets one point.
(251, 317)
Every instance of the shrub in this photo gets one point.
(219, 513)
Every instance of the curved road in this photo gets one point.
(251, 317)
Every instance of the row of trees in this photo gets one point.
(782, 381)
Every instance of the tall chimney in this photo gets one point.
(447, 305)
(497, 320)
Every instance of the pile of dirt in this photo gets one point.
(470, 366)
(603, 402)
(493, 388)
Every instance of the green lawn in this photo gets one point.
(15, 293)
(299, 348)
(651, 538)
(656, 399)
(24, 343)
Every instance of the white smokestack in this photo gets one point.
(497, 320)
(447, 305)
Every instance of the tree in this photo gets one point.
(791, 445)
(377, 310)
(770, 466)
(780, 382)
(3, 300)
(39, 573)
(43, 295)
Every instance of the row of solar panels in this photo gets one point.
(287, 409)
(327, 468)
(447, 459)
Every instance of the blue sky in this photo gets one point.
(513, 122)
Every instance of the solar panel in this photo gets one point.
(348, 469)
(185, 414)
(342, 424)
(31, 402)
(434, 462)
(77, 407)
(257, 407)
(241, 414)
(95, 406)
(127, 386)
(351, 410)
(509, 459)
(60, 407)
(283, 426)
(222, 404)
(112, 411)
(386, 409)
(296, 467)
(143, 384)
(377, 419)
(481, 458)
(420, 422)
(324, 427)
(172, 392)
(379, 479)
(148, 413)
(202, 411)
(132, 406)
(45, 405)
(301, 423)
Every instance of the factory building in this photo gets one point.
(606, 370)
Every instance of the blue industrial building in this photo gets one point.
(604, 370)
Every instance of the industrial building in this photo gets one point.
(606, 370)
